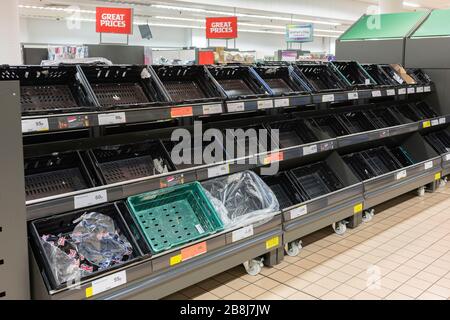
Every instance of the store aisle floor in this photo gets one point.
(403, 253)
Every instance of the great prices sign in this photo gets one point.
(114, 20)
(221, 28)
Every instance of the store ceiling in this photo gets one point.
(172, 13)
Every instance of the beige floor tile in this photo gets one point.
(236, 296)
(429, 296)
(268, 296)
(281, 265)
(265, 271)
(333, 296)
(301, 296)
(409, 290)
(250, 278)
(426, 276)
(306, 264)
(310, 276)
(315, 290)
(440, 291)
(395, 275)
(418, 283)
(364, 295)
(267, 283)
(252, 290)
(409, 271)
(378, 290)
(436, 271)
(297, 283)
(176, 296)
(224, 277)
(339, 276)
(294, 270)
(398, 296)
(322, 270)
(206, 296)
(222, 291)
(283, 290)
(209, 284)
(237, 283)
(346, 290)
(281, 276)
(328, 283)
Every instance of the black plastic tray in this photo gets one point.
(439, 140)
(392, 74)
(63, 225)
(188, 84)
(282, 81)
(355, 75)
(331, 125)
(382, 117)
(378, 74)
(45, 90)
(293, 132)
(320, 77)
(416, 111)
(284, 189)
(55, 174)
(130, 86)
(403, 156)
(356, 122)
(419, 76)
(131, 161)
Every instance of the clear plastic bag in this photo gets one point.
(241, 198)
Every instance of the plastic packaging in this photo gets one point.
(240, 198)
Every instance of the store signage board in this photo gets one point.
(114, 20)
(300, 33)
(221, 28)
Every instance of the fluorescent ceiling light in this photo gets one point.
(410, 4)
(70, 10)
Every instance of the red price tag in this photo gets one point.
(274, 157)
(181, 112)
(193, 251)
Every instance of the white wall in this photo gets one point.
(57, 32)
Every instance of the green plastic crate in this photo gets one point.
(174, 216)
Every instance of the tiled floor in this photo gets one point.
(403, 253)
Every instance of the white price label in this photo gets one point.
(298, 212)
(419, 90)
(235, 106)
(390, 92)
(402, 91)
(111, 118)
(447, 157)
(427, 89)
(310, 149)
(199, 228)
(90, 199)
(281, 103)
(108, 282)
(35, 125)
(442, 120)
(218, 171)
(428, 165)
(411, 90)
(352, 96)
(242, 233)
(367, 81)
(400, 175)
(265, 104)
(435, 122)
(328, 98)
(212, 108)
(376, 93)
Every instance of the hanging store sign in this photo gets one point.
(221, 27)
(114, 20)
(299, 33)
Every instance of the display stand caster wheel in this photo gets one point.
(293, 248)
(421, 191)
(368, 215)
(442, 182)
(339, 227)
(253, 267)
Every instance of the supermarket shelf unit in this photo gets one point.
(162, 274)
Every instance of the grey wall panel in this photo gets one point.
(118, 54)
(440, 100)
(372, 51)
(427, 53)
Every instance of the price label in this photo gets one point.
(390, 92)
(171, 181)
(352, 96)
(400, 175)
(357, 208)
(175, 259)
(218, 171)
(193, 251)
(265, 104)
(447, 157)
(435, 122)
(181, 112)
(242, 233)
(309, 150)
(35, 125)
(328, 98)
(274, 157)
(90, 199)
(235, 106)
(411, 90)
(402, 91)
(376, 93)
(426, 124)
(299, 211)
(442, 120)
(367, 81)
(437, 176)
(419, 90)
(212, 108)
(427, 89)
(105, 119)
(281, 103)
(428, 165)
(107, 283)
(273, 242)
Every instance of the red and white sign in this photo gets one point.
(221, 28)
(114, 20)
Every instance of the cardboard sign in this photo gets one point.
(114, 20)
(221, 28)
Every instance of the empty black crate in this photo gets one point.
(371, 163)
(439, 140)
(378, 74)
(331, 125)
(281, 80)
(403, 156)
(419, 76)
(416, 111)
(239, 81)
(131, 161)
(64, 224)
(392, 74)
(315, 180)
(320, 77)
(382, 117)
(46, 90)
(356, 122)
(188, 84)
(55, 174)
(354, 73)
(124, 86)
(292, 132)
(284, 189)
